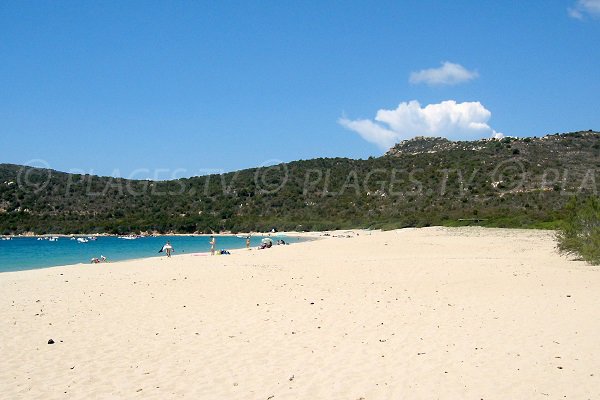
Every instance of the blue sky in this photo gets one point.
(161, 89)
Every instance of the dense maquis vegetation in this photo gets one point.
(580, 231)
(508, 183)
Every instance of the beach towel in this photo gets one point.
(165, 247)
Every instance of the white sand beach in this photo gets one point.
(432, 313)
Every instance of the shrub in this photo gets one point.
(580, 232)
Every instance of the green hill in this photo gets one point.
(423, 181)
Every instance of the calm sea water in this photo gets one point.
(29, 253)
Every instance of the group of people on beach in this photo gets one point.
(97, 260)
(168, 248)
(213, 244)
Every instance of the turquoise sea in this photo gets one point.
(21, 253)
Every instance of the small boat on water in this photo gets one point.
(6, 238)
(53, 239)
(82, 240)
(129, 237)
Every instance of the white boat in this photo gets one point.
(128, 237)
(82, 240)
(53, 239)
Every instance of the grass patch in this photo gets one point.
(579, 234)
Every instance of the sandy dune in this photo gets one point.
(412, 314)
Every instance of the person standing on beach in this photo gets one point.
(212, 242)
(167, 248)
(248, 242)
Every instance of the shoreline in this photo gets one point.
(233, 251)
(293, 235)
(268, 233)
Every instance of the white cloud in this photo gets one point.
(585, 7)
(448, 74)
(456, 121)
